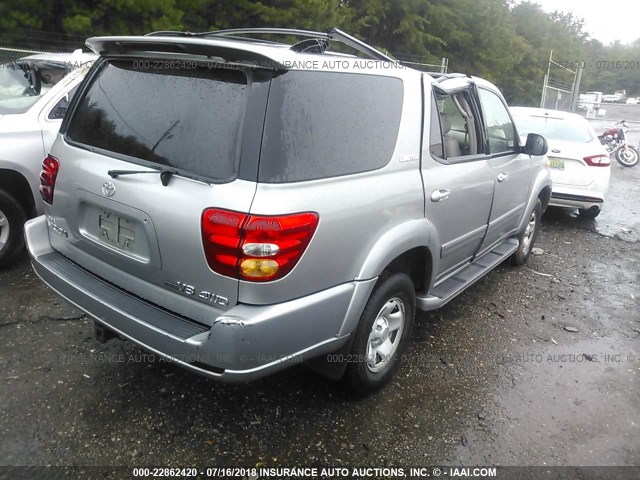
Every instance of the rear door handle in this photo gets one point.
(439, 195)
(503, 177)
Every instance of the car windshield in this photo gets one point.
(23, 82)
(567, 130)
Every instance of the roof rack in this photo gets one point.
(331, 34)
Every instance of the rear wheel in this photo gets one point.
(627, 157)
(381, 336)
(12, 218)
(527, 238)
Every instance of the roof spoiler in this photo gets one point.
(193, 46)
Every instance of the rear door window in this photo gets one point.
(326, 124)
(435, 131)
(459, 125)
(187, 119)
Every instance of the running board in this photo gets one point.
(473, 272)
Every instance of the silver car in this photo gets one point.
(240, 206)
(34, 95)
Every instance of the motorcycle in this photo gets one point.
(615, 141)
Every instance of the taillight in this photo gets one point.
(50, 166)
(255, 247)
(598, 160)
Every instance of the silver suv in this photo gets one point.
(239, 206)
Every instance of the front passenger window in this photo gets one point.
(501, 133)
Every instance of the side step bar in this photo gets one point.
(454, 285)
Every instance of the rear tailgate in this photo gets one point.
(128, 227)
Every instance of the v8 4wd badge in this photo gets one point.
(204, 295)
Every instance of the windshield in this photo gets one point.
(567, 130)
(23, 82)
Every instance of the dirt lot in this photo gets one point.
(531, 366)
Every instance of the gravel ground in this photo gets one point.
(532, 366)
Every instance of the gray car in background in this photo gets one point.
(239, 206)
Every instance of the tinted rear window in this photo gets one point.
(573, 130)
(187, 119)
(325, 124)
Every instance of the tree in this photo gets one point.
(501, 40)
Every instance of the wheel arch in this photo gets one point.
(541, 190)
(405, 248)
(545, 197)
(417, 263)
(16, 185)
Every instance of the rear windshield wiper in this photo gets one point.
(165, 175)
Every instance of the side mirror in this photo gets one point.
(536, 145)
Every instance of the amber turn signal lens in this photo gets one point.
(259, 268)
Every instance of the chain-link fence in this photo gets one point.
(558, 96)
(416, 62)
(561, 85)
(8, 55)
(40, 40)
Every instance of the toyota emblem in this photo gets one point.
(108, 189)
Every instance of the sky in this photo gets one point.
(606, 21)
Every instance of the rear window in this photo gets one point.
(326, 124)
(187, 119)
(574, 130)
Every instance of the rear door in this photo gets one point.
(457, 178)
(124, 221)
(512, 170)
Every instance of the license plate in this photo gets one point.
(558, 164)
(116, 230)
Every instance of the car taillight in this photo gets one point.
(598, 160)
(256, 248)
(50, 166)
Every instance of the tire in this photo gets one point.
(528, 236)
(12, 218)
(370, 365)
(627, 157)
(592, 212)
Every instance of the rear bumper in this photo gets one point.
(576, 198)
(245, 343)
(586, 196)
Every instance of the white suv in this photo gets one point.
(34, 95)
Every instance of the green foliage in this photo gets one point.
(400, 26)
(505, 41)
